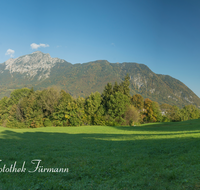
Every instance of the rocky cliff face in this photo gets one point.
(40, 71)
(32, 64)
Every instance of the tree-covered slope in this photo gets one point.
(40, 71)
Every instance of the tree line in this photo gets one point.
(52, 107)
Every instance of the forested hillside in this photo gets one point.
(40, 71)
(114, 107)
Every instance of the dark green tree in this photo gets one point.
(108, 91)
(116, 108)
(17, 94)
(48, 100)
(125, 86)
(92, 105)
(28, 111)
(4, 111)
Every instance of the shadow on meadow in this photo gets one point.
(133, 160)
(165, 127)
(57, 145)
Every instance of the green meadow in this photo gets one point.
(152, 156)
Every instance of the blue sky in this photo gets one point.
(162, 34)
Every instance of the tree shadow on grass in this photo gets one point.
(164, 127)
(96, 158)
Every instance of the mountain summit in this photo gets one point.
(40, 71)
(31, 64)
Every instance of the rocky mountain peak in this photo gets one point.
(33, 64)
(82, 79)
(37, 52)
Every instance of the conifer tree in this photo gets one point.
(116, 108)
(125, 86)
(92, 104)
(108, 91)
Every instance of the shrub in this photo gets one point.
(57, 123)
(15, 124)
(165, 119)
(47, 122)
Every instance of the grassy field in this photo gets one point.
(152, 156)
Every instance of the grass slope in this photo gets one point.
(151, 156)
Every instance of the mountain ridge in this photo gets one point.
(40, 71)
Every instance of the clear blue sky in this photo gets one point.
(162, 34)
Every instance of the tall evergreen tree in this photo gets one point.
(108, 91)
(117, 88)
(92, 105)
(125, 86)
(116, 108)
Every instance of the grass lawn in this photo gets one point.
(151, 156)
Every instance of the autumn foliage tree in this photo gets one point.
(174, 114)
(132, 115)
(137, 101)
(152, 111)
(52, 106)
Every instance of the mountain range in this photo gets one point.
(39, 70)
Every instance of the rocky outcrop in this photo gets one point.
(33, 64)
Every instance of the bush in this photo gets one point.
(165, 119)
(15, 124)
(109, 121)
(47, 122)
(57, 123)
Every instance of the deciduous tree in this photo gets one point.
(137, 101)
